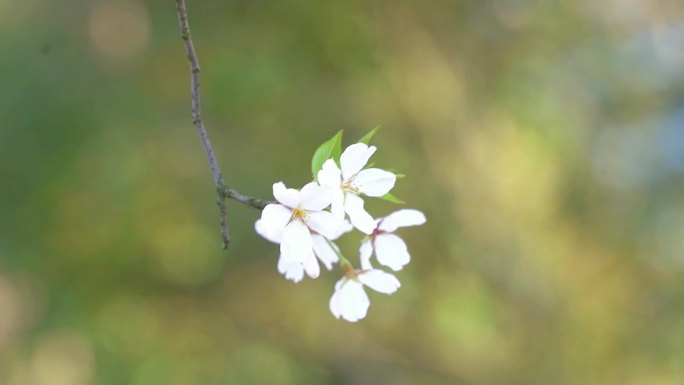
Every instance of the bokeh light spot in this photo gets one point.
(63, 358)
(119, 30)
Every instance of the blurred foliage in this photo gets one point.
(543, 139)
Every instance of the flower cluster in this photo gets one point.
(306, 232)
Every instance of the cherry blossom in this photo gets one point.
(350, 180)
(299, 223)
(291, 223)
(390, 250)
(325, 251)
(350, 301)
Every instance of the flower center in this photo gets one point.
(349, 270)
(350, 187)
(299, 213)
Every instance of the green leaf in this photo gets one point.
(399, 176)
(367, 138)
(332, 148)
(337, 148)
(391, 198)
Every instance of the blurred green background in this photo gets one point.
(543, 139)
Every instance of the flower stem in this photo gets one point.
(344, 262)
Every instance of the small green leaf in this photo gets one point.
(367, 138)
(391, 198)
(337, 148)
(399, 176)
(332, 148)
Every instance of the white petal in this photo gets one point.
(273, 237)
(327, 224)
(334, 304)
(374, 182)
(354, 158)
(330, 174)
(324, 251)
(293, 271)
(287, 196)
(402, 218)
(283, 264)
(314, 197)
(311, 265)
(274, 218)
(337, 204)
(380, 281)
(353, 205)
(351, 302)
(365, 251)
(391, 251)
(296, 243)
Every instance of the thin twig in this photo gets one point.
(222, 191)
(244, 199)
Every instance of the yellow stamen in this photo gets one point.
(298, 213)
(349, 186)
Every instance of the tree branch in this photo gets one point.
(222, 191)
(246, 200)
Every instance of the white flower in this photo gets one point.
(298, 224)
(350, 301)
(350, 181)
(294, 270)
(390, 250)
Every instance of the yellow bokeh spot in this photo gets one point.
(119, 30)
